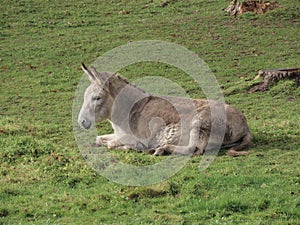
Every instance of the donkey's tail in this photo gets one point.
(235, 151)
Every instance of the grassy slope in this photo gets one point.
(43, 176)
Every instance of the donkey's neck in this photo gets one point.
(125, 97)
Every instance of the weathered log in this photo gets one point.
(257, 7)
(233, 8)
(273, 75)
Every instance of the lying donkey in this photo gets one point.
(156, 124)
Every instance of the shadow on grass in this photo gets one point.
(264, 142)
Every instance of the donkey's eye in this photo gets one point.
(97, 98)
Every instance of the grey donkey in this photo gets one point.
(159, 124)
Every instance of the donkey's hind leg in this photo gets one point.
(184, 150)
(235, 151)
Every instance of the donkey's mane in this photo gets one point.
(125, 81)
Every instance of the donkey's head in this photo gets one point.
(97, 100)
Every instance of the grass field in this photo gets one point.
(44, 178)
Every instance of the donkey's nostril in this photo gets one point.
(85, 123)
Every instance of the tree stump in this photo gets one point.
(274, 75)
(257, 7)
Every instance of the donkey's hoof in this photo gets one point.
(159, 151)
(98, 141)
(96, 145)
(113, 144)
(148, 151)
(198, 152)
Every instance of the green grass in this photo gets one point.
(44, 178)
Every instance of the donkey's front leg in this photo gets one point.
(105, 139)
(110, 140)
(117, 145)
(123, 143)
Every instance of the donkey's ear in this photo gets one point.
(93, 75)
(88, 72)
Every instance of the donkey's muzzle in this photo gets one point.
(86, 124)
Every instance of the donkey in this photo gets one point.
(158, 124)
